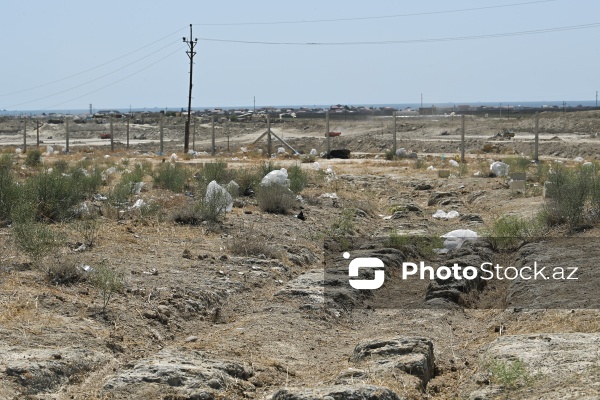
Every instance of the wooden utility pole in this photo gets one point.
(537, 137)
(327, 134)
(67, 134)
(395, 125)
(112, 135)
(269, 140)
(213, 147)
(191, 53)
(24, 135)
(462, 140)
(161, 135)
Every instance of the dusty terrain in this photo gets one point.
(195, 321)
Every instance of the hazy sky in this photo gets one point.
(115, 54)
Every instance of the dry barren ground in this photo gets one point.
(195, 320)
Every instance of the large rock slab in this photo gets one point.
(411, 355)
(559, 366)
(555, 259)
(337, 392)
(46, 370)
(190, 374)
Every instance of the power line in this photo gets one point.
(95, 79)
(375, 17)
(117, 81)
(93, 68)
(410, 41)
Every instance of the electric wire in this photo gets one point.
(117, 81)
(92, 68)
(375, 17)
(410, 41)
(95, 79)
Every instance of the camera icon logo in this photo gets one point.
(366, 262)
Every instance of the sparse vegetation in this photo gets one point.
(108, 280)
(33, 158)
(510, 374)
(298, 178)
(172, 177)
(275, 199)
(572, 197)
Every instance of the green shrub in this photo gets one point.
(108, 280)
(64, 272)
(33, 158)
(509, 374)
(215, 171)
(54, 195)
(390, 155)
(172, 177)
(8, 187)
(210, 210)
(275, 199)
(248, 179)
(508, 232)
(61, 166)
(88, 228)
(417, 246)
(33, 238)
(298, 178)
(518, 164)
(343, 224)
(567, 193)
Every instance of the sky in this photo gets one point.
(117, 54)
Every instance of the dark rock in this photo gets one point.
(412, 355)
(338, 392)
(443, 199)
(341, 153)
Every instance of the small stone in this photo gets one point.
(190, 339)
(214, 383)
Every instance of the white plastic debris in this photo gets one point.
(454, 163)
(18, 150)
(431, 168)
(452, 214)
(401, 152)
(173, 158)
(329, 196)
(106, 156)
(218, 196)
(456, 238)
(313, 152)
(139, 203)
(329, 170)
(49, 150)
(276, 177)
(440, 214)
(588, 164)
(499, 168)
(233, 188)
(316, 166)
(86, 268)
(244, 149)
(281, 150)
(137, 187)
(579, 159)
